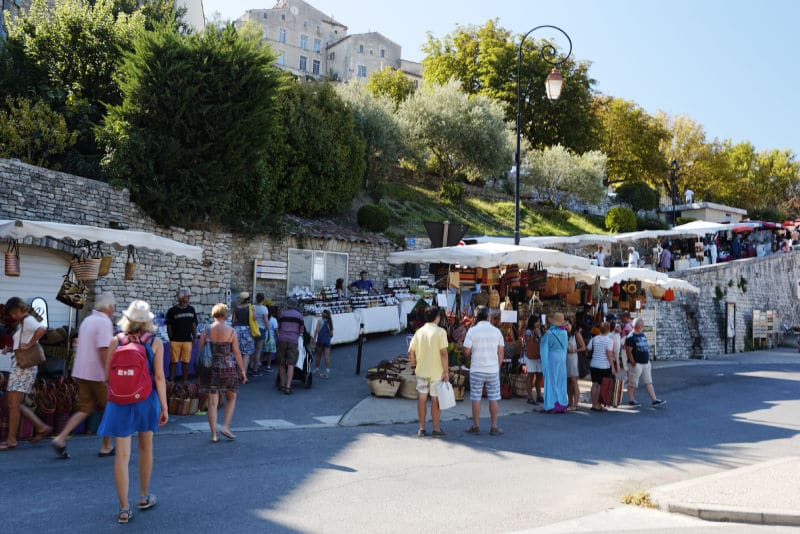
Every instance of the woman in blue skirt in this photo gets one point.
(121, 421)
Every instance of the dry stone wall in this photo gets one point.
(35, 193)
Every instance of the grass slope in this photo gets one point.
(411, 205)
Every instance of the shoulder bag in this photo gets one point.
(30, 357)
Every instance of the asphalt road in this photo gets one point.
(552, 472)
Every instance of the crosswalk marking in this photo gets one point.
(274, 423)
(197, 427)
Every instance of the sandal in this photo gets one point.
(61, 450)
(473, 430)
(147, 501)
(227, 434)
(287, 391)
(6, 446)
(41, 434)
(214, 439)
(124, 516)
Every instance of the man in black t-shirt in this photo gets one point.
(639, 367)
(181, 327)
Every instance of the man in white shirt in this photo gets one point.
(484, 343)
(600, 256)
(633, 257)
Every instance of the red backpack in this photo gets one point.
(129, 377)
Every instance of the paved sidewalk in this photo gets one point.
(764, 493)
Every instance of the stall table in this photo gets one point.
(345, 327)
(379, 319)
(404, 308)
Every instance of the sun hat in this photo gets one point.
(138, 312)
(243, 296)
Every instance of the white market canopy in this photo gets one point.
(648, 278)
(21, 229)
(493, 255)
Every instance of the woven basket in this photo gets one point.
(408, 386)
(384, 387)
(105, 265)
(86, 268)
(519, 385)
(459, 392)
(657, 292)
(12, 264)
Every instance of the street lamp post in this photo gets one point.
(673, 180)
(553, 85)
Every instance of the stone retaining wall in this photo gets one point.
(35, 193)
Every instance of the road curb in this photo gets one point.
(733, 514)
(725, 513)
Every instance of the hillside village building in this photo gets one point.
(310, 43)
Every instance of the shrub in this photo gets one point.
(452, 192)
(768, 213)
(620, 219)
(638, 195)
(373, 218)
(683, 220)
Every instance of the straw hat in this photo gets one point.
(557, 319)
(243, 296)
(138, 312)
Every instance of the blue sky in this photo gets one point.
(731, 65)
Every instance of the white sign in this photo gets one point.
(508, 316)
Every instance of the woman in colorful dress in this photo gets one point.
(241, 323)
(20, 381)
(227, 368)
(143, 418)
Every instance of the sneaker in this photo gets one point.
(659, 402)
(421, 433)
(326, 374)
(268, 369)
(633, 404)
(315, 372)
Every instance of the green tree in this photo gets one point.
(559, 174)
(325, 156)
(484, 60)
(32, 133)
(390, 83)
(631, 139)
(620, 219)
(638, 195)
(375, 122)
(456, 134)
(196, 135)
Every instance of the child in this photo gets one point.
(322, 337)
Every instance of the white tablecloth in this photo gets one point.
(380, 319)
(345, 327)
(404, 308)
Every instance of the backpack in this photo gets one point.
(130, 377)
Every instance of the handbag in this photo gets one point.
(71, 293)
(447, 398)
(611, 392)
(29, 357)
(255, 331)
(205, 358)
(130, 264)
(12, 258)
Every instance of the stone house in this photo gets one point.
(310, 43)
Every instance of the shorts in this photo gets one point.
(21, 379)
(572, 365)
(533, 366)
(641, 371)
(288, 353)
(428, 386)
(478, 380)
(180, 351)
(91, 395)
(599, 374)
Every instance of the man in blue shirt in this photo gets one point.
(362, 284)
(639, 366)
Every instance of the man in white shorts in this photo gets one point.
(484, 343)
(639, 367)
(428, 353)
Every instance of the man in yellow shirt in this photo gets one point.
(428, 353)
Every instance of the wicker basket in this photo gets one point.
(657, 292)
(408, 386)
(86, 268)
(460, 392)
(384, 387)
(519, 385)
(105, 265)
(12, 264)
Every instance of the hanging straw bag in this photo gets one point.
(105, 260)
(12, 258)
(130, 264)
(85, 267)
